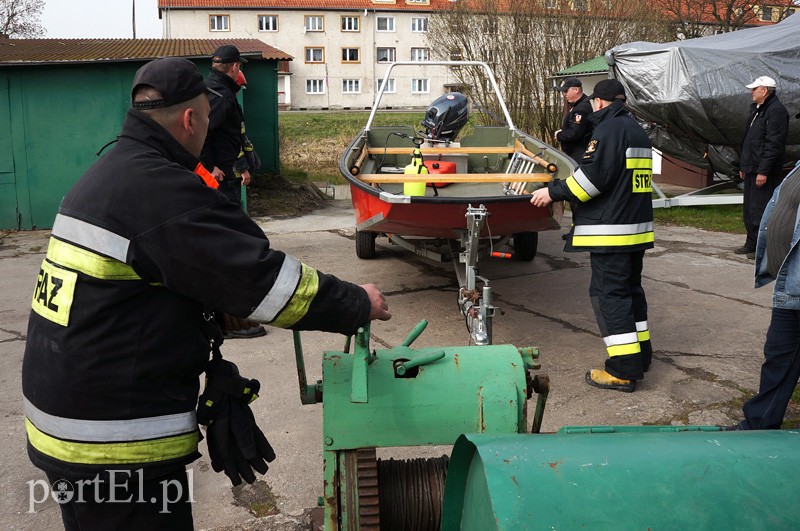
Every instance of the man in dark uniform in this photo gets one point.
(224, 149)
(224, 142)
(761, 156)
(121, 325)
(576, 130)
(614, 223)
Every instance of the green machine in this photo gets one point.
(400, 397)
(625, 478)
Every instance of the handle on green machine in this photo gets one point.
(415, 333)
(404, 367)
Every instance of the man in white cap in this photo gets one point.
(761, 155)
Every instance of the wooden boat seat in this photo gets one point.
(399, 178)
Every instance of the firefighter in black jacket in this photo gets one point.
(761, 156)
(613, 222)
(223, 148)
(576, 130)
(142, 248)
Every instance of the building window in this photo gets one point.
(314, 23)
(267, 22)
(580, 5)
(419, 86)
(390, 87)
(417, 1)
(386, 55)
(766, 13)
(219, 22)
(315, 55)
(351, 86)
(350, 55)
(490, 25)
(550, 4)
(315, 86)
(350, 24)
(420, 54)
(419, 24)
(456, 55)
(385, 24)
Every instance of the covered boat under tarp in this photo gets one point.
(692, 93)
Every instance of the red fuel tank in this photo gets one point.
(440, 166)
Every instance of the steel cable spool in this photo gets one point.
(411, 493)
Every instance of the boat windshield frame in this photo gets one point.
(417, 64)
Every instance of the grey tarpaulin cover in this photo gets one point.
(692, 93)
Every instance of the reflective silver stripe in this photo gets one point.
(585, 183)
(110, 430)
(91, 237)
(281, 291)
(641, 326)
(638, 153)
(606, 230)
(621, 339)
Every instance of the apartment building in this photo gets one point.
(341, 48)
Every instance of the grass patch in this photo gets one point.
(312, 142)
(720, 218)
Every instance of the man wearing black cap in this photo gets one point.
(143, 248)
(576, 130)
(224, 143)
(614, 223)
(224, 149)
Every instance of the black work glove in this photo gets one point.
(236, 445)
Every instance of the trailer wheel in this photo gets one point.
(525, 246)
(365, 245)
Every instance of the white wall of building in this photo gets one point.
(292, 38)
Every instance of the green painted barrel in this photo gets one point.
(625, 478)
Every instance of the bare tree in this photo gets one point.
(20, 18)
(525, 41)
(696, 18)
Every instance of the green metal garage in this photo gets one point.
(62, 100)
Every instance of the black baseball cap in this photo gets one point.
(608, 90)
(176, 78)
(227, 53)
(569, 83)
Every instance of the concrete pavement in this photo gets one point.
(707, 321)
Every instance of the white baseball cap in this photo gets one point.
(763, 81)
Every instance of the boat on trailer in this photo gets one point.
(471, 198)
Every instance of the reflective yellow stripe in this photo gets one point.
(133, 452)
(301, 299)
(576, 189)
(612, 241)
(644, 336)
(87, 262)
(639, 164)
(623, 350)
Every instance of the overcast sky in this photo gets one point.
(100, 18)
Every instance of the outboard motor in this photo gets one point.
(446, 116)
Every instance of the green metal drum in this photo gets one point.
(411, 397)
(639, 477)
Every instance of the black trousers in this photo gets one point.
(232, 189)
(620, 307)
(755, 201)
(158, 504)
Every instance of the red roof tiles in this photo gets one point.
(35, 51)
(327, 5)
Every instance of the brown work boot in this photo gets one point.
(601, 379)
